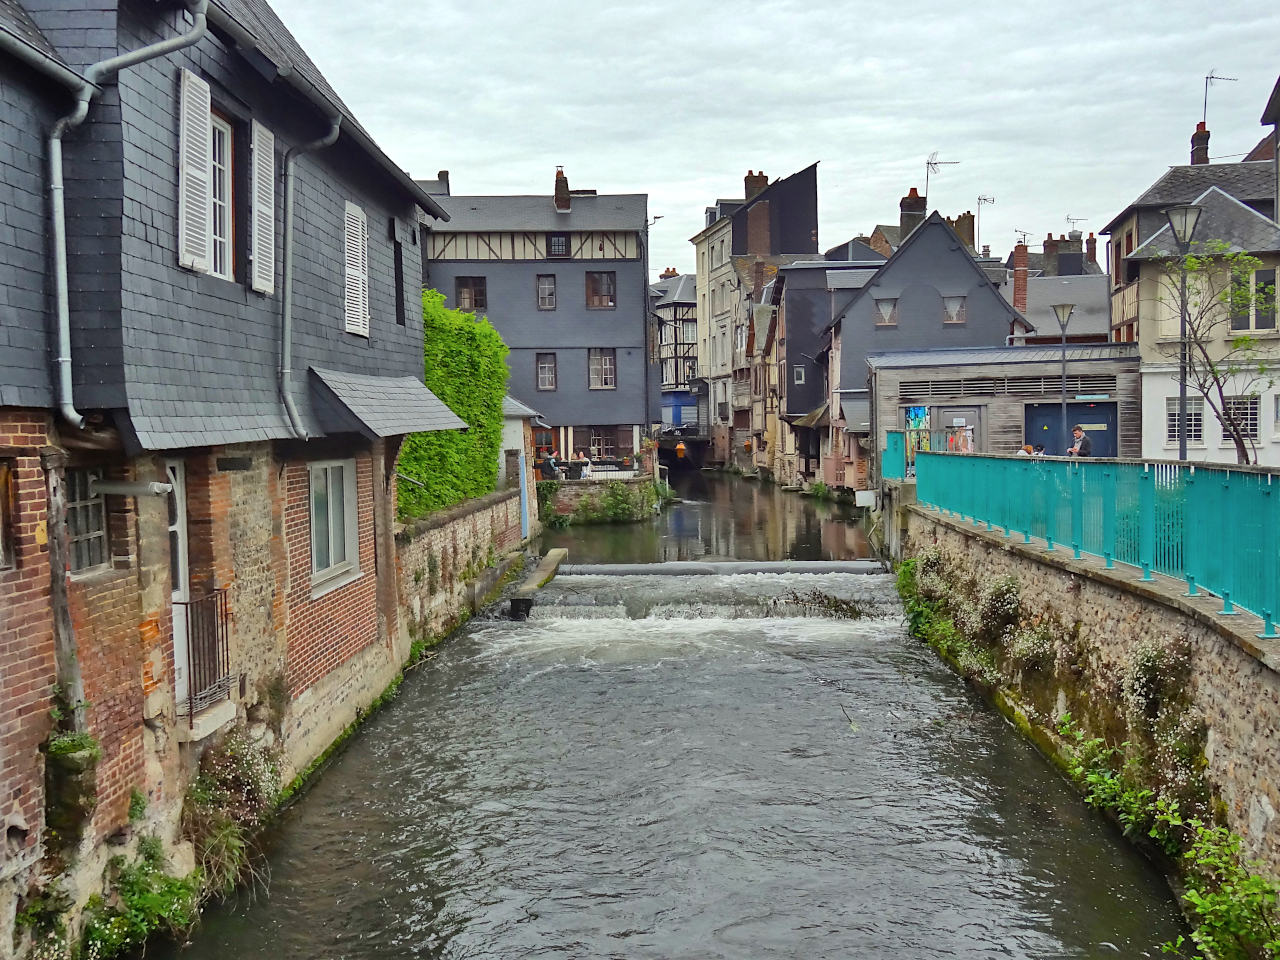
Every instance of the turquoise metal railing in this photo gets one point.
(1217, 528)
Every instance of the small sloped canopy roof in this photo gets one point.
(856, 412)
(511, 407)
(814, 418)
(1222, 218)
(378, 406)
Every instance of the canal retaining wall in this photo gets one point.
(1109, 626)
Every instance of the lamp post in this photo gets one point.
(1063, 313)
(1182, 223)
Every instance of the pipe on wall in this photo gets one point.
(284, 370)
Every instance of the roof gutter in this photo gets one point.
(223, 21)
(85, 90)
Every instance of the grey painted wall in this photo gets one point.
(193, 357)
(806, 306)
(27, 108)
(932, 266)
(568, 331)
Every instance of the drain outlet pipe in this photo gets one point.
(89, 88)
(284, 370)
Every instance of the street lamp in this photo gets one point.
(1182, 223)
(1063, 312)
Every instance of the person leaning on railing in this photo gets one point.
(1083, 445)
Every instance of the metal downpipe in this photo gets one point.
(284, 370)
(89, 88)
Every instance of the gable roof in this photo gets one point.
(264, 40)
(890, 231)
(1250, 180)
(1222, 218)
(853, 250)
(618, 211)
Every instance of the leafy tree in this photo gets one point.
(1225, 359)
(464, 364)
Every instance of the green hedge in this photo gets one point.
(464, 364)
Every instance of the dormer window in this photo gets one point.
(953, 310)
(557, 244)
(887, 310)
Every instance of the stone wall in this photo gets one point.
(1234, 678)
(572, 493)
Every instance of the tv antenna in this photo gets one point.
(1072, 221)
(977, 223)
(1208, 80)
(931, 166)
(1022, 234)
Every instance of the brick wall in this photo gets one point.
(573, 492)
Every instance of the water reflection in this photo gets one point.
(723, 517)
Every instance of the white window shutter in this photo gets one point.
(195, 143)
(356, 300)
(263, 213)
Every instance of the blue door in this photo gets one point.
(1043, 424)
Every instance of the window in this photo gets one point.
(887, 310)
(602, 370)
(355, 301)
(953, 310)
(398, 266)
(798, 374)
(601, 287)
(469, 293)
(220, 215)
(689, 332)
(546, 371)
(6, 515)
(542, 440)
(546, 291)
(604, 443)
(1253, 304)
(334, 549)
(86, 520)
(557, 245)
(668, 372)
(1244, 412)
(1195, 420)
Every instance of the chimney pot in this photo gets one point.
(1200, 144)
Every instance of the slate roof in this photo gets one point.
(1091, 294)
(853, 250)
(621, 211)
(681, 289)
(1223, 218)
(15, 20)
(511, 407)
(849, 279)
(1251, 180)
(982, 356)
(891, 232)
(378, 406)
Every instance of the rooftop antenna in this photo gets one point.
(1208, 80)
(931, 166)
(977, 223)
(1022, 234)
(1072, 221)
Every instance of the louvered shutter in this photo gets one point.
(356, 302)
(263, 214)
(195, 139)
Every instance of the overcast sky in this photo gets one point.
(1069, 109)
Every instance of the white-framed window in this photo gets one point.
(355, 301)
(221, 229)
(546, 291)
(1245, 411)
(886, 311)
(602, 368)
(1258, 310)
(546, 371)
(953, 310)
(1195, 420)
(335, 552)
(797, 374)
(668, 372)
(86, 520)
(689, 331)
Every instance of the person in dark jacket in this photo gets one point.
(1083, 445)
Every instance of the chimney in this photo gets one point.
(1091, 249)
(562, 191)
(986, 251)
(668, 273)
(753, 183)
(911, 213)
(963, 226)
(443, 177)
(1200, 144)
(1020, 278)
(1050, 266)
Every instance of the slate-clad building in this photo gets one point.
(563, 278)
(200, 417)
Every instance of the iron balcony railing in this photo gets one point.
(208, 650)
(1215, 527)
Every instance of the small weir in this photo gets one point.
(695, 760)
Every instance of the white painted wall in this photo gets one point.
(1161, 382)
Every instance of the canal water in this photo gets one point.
(664, 766)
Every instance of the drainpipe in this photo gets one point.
(89, 87)
(284, 370)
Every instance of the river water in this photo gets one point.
(695, 767)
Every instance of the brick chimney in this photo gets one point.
(1020, 278)
(753, 183)
(563, 203)
(911, 213)
(1200, 144)
(668, 273)
(963, 226)
(1050, 265)
(1091, 249)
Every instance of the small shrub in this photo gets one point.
(999, 608)
(1156, 673)
(137, 805)
(819, 490)
(64, 744)
(1033, 645)
(144, 901)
